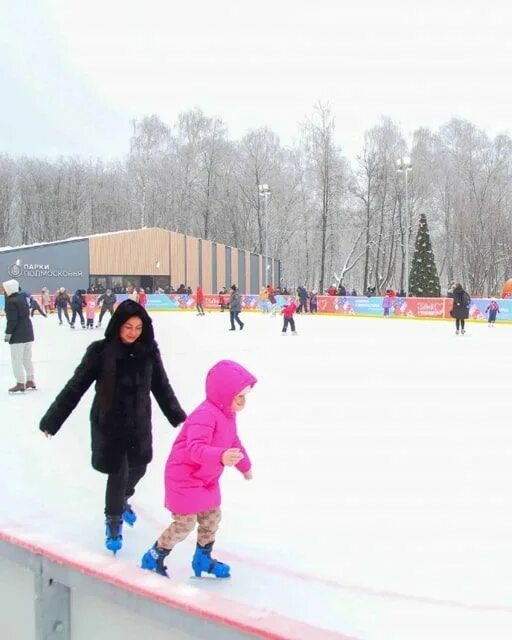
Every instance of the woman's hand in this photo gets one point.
(248, 475)
(47, 435)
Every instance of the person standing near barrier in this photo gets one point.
(143, 298)
(493, 308)
(19, 333)
(235, 306)
(127, 368)
(313, 302)
(199, 301)
(107, 301)
(45, 299)
(460, 309)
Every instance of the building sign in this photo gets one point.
(64, 264)
(40, 271)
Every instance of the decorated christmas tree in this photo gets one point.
(424, 279)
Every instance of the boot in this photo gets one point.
(129, 516)
(113, 533)
(153, 560)
(30, 384)
(19, 387)
(203, 561)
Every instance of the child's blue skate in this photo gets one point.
(113, 533)
(153, 560)
(129, 516)
(203, 561)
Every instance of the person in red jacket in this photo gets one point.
(143, 299)
(199, 301)
(288, 312)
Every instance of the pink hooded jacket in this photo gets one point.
(194, 465)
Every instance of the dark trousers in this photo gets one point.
(459, 323)
(80, 313)
(120, 486)
(62, 310)
(199, 308)
(104, 310)
(38, 309)
(288, 321)
(233, 316)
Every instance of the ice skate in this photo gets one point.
(153, 560)
(113, 533)
(294, 333)
(30, 384)
(203, 561)
(19, 387)
(129, 516)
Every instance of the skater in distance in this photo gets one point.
(127, 367)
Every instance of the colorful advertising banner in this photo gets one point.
(339, 305)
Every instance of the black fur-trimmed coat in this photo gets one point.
(121, 410)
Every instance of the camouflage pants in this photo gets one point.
(207, 525)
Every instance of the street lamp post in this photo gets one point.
(404, 166)
(264, 192)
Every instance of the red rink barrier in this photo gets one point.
(193, 600)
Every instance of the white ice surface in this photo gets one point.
(382, 457)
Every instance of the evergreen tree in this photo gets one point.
(424, 279)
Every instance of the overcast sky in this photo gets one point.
(74, 73)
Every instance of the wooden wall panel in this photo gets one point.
(192, 262)
(247, 272)
(234, 267)
(177, 258)
(221, 268)
(130, 253)
(206, 275)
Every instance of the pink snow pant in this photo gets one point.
(208, 523)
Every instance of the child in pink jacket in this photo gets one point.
(90, 310)
(207, 443)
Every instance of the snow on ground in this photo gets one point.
(382, 452)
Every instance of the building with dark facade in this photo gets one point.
(148, 258)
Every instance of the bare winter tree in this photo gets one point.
(325, 165)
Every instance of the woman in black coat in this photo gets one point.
(460, 309)
(126, 367)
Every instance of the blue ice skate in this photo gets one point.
(153, 560)
(113, 533)
(129, 516)
(203, 561)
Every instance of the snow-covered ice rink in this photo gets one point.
(382, 458)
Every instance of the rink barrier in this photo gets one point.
(352, 306)
(53, 590)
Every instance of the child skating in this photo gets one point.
(288, 312)
(207, 443)
(493, 309)
(90, 310)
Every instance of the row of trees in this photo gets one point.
(328, 219)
